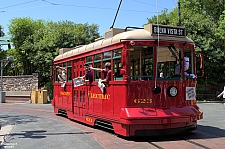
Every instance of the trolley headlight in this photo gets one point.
(172, 91)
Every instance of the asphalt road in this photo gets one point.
(33, 126)
(38, 132)
(213, 121)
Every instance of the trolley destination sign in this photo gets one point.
(168, 30)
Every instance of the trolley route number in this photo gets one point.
(143, 101)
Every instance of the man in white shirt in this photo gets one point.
(186, 67)
(62, 73)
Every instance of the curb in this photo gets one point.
(210, 102)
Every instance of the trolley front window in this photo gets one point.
(169, 62)
(189, 70)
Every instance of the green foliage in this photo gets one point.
(2, 53)
(37, 42)
(205, 24)
(1, 31)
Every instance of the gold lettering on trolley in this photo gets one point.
(143, 100)
(65, 93)
(99, 96)
(88, 119)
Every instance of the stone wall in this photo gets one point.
(19, 86)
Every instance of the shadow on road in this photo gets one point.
(7, 119)
(201, 133)
(39, 134)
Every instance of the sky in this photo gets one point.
(100, 12)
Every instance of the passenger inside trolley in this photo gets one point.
(186, 67)
(141, 62)
(107, 71)
(88, 74)
(61, 73)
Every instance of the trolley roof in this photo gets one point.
(149, 32)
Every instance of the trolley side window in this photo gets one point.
(81, 71)
(56, 79)
(64, 65)
(75, 66)
(89, 60)
(141, 63)
(117, 64)
(97, 64)
(107, 56)
(69, 71)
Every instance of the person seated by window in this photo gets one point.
(106, 71)
(186, 67)
(161, 75)
(88, 74)
(62, 73)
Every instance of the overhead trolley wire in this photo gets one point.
(24, 8)
(69, 5)
(19, 4)
(148, 4)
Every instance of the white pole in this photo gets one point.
(1, 82)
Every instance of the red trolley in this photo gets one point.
(152, 87)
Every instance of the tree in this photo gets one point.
(201, 21)
(1, 31)
(2, 52)
(37, 42)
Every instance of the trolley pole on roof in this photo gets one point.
(179, 24)
(116, 14)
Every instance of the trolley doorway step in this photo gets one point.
(104, 124)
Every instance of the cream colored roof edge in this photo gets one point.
(138, 34)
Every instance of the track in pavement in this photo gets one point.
(196, 139)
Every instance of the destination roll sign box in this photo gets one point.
(168, 30)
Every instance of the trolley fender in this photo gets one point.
(131, 113)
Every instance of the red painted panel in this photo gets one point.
(121, 129)
(107, 102)
(97, 102)
(120, 99)
(160, 116)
